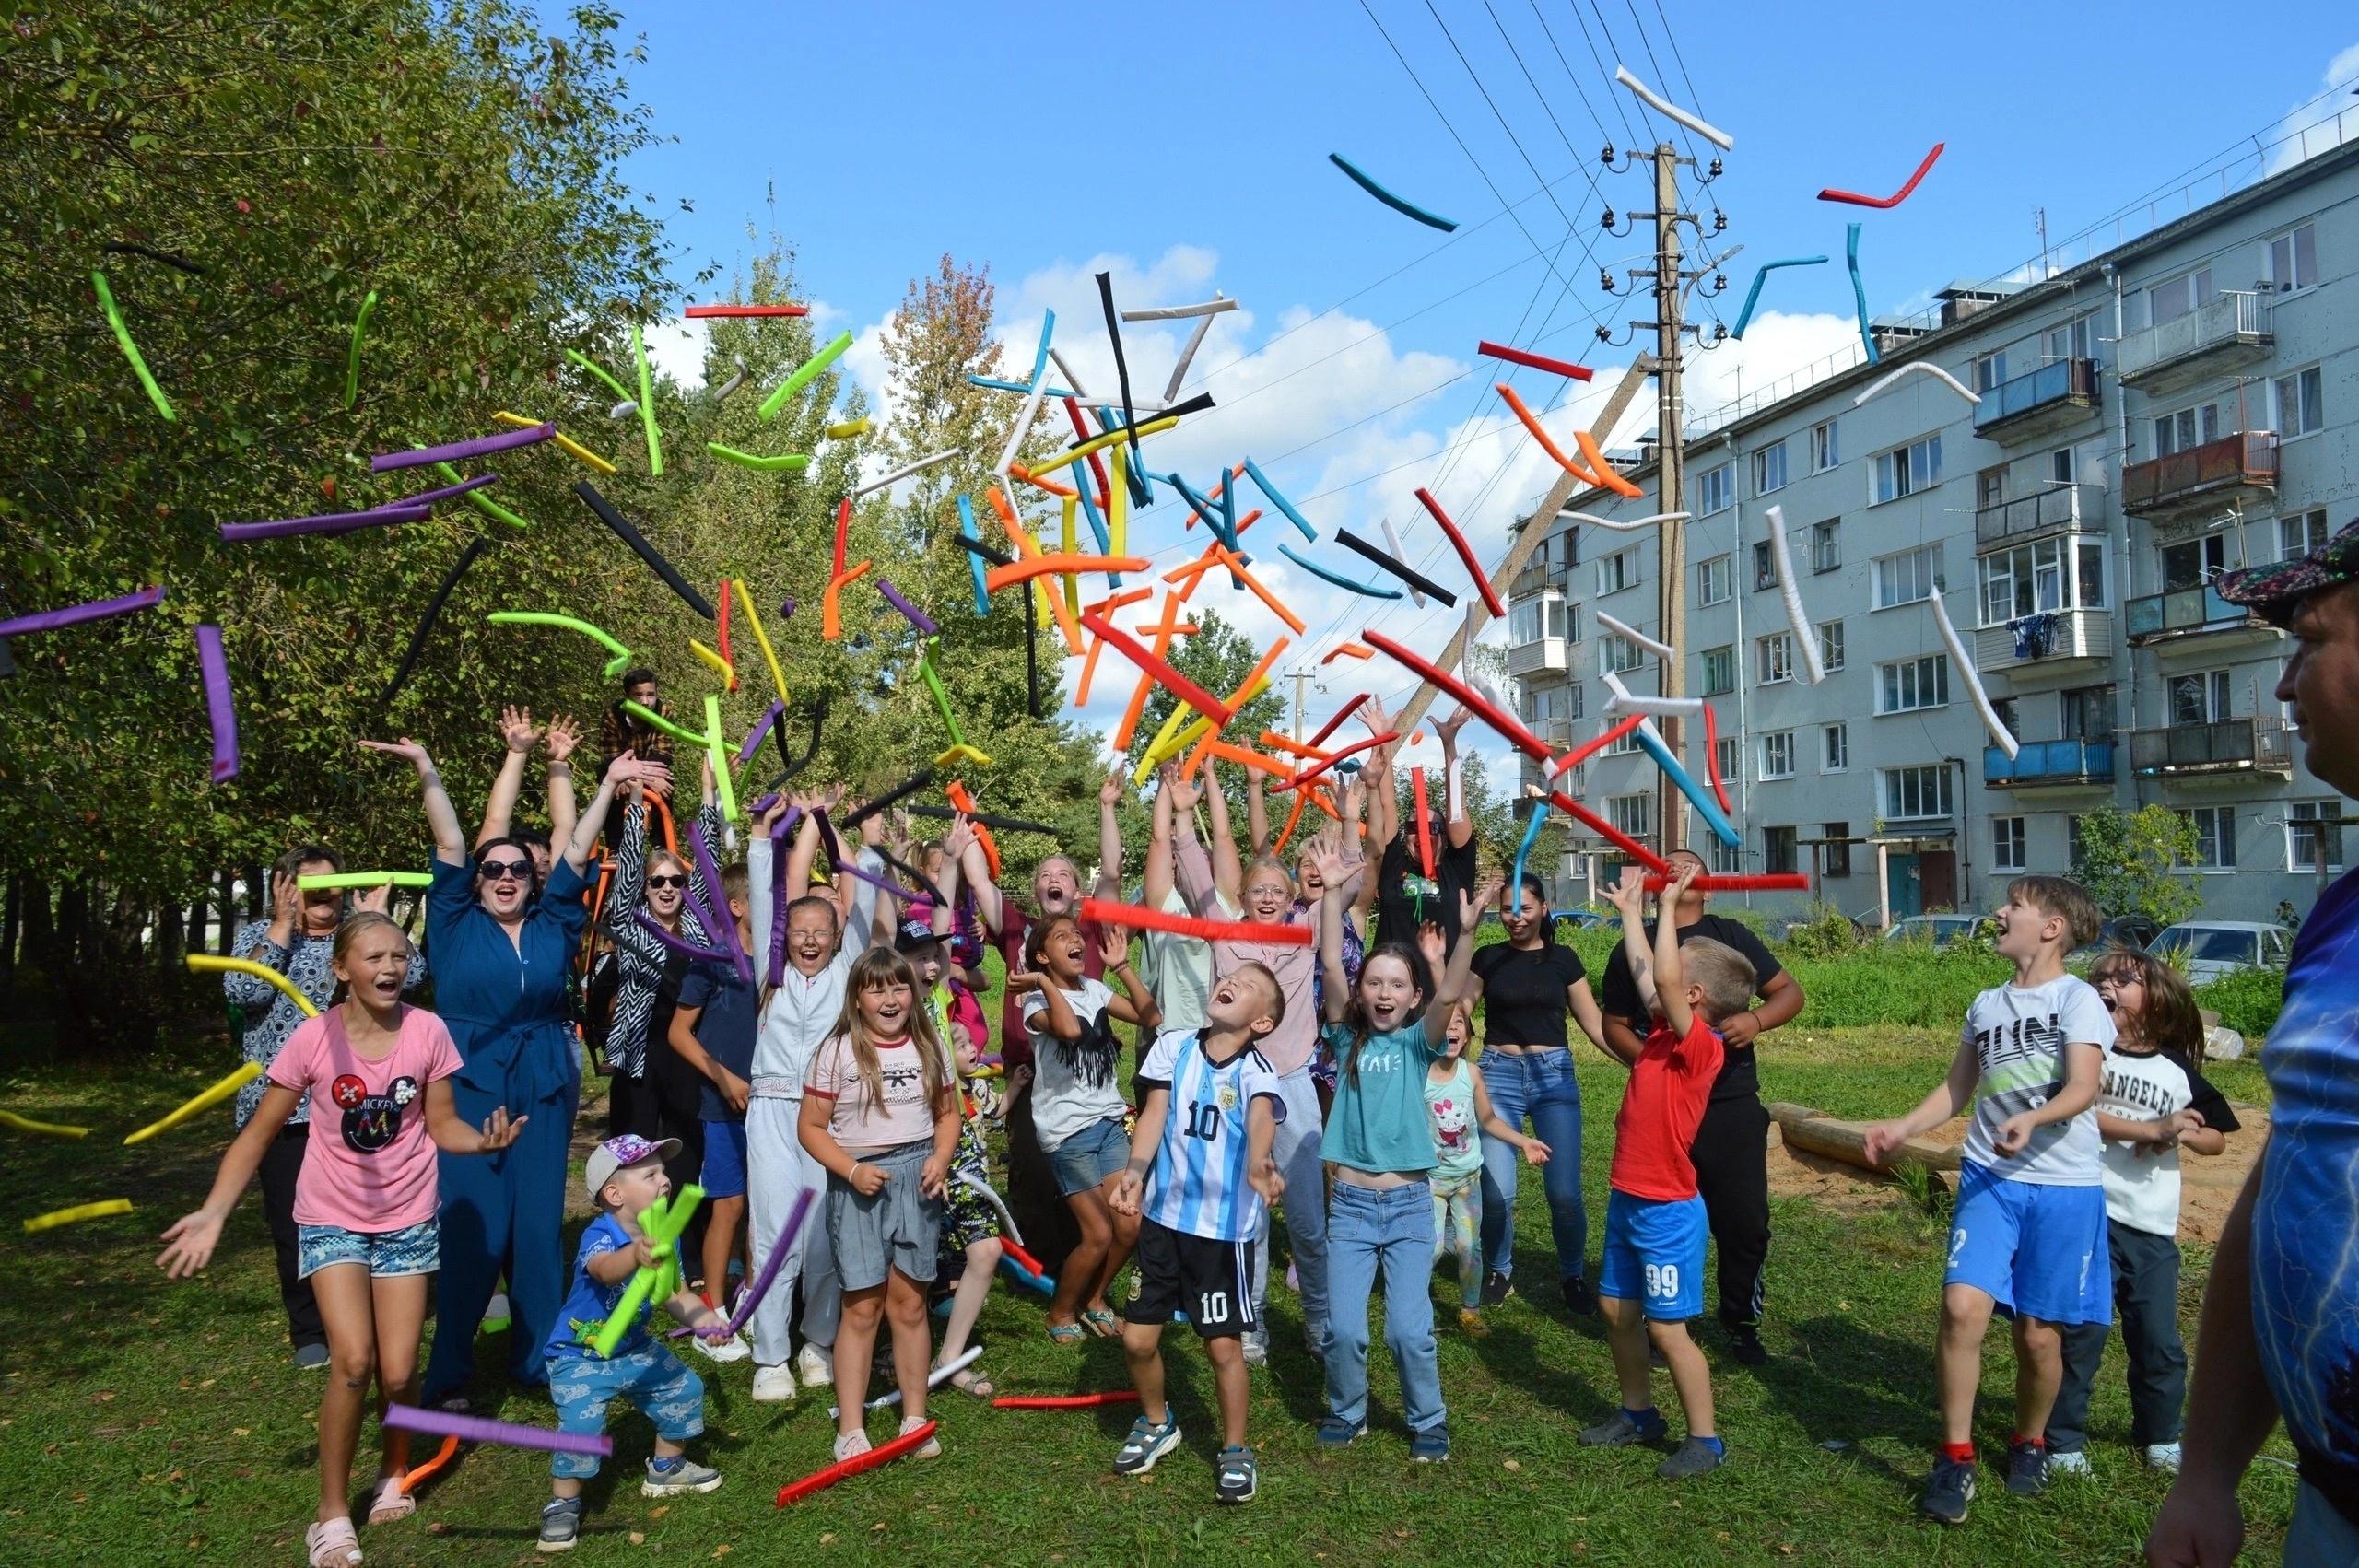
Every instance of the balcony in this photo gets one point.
(2223, 746)
(2212, 477)
(2192, 614)
(2049, 764)
(2058, 394)
(2063, 641)
(1540, 656)
(2059, 508)
(1540, 576)
(2229, 331)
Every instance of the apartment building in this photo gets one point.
(2179, 405)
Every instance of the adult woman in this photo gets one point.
(1529, 983)
(503, 967)
(296, 940)
(657, 882)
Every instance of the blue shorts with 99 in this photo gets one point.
(1654, 1255)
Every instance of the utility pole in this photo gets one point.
(1300, 677)
(1670, 426)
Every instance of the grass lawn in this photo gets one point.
(146, 1423)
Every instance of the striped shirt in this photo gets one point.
(1197, 1185)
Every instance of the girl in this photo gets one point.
(1078, 1106)
(1380, 1144)
(377, 1074)
(880, 1112)
(2153, 1104)
(1459, 1102)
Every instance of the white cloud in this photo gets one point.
(2319, 124)
(676, 348)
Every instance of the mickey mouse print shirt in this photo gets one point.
(370, 1165)
(2023, 1037)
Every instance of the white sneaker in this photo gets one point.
(2163, 1457)
(815, 1366)
(929, 1449)
(495, 1310)
(734, 1348)
(2072, 1464)
(774, 1385)
(1256, 1349)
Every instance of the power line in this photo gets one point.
(1620, 110)
(1693, 96)
(1578, 91)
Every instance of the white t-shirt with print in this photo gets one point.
(1062, 1104)
(2019, 1035)
(2141, 1190)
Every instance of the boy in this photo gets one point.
(624, 1175)
(1652, 1278)
(712, 1030)
(1199, 1173)
(2027, 1233)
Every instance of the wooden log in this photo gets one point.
(1824, 1135)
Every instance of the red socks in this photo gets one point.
(1962, 1452)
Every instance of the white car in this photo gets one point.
(1937, 930)
(2213, 948)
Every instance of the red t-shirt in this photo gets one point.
(1015, 1043)
(1660, 1110)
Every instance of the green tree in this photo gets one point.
(2129, 861)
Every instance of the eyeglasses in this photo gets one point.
(671, 880)
(502, 870)
(2119, 978)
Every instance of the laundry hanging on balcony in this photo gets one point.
(2035, 636)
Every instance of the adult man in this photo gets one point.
(1731, 1151)
(623, 731)
(1405, 899)
(2279, 1331)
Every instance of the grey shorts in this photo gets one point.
(897, 1228)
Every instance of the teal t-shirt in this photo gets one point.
(1381, 1123)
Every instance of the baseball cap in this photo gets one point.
(914, 933)
(2275, 590)
(615, 1154)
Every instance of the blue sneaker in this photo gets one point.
(1236, 1477)
(1146, 1444)
(1334, 1433)
(1430, 1447)
(1948, 1491)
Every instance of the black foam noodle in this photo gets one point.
(1351, 541)
(996, 557)
(1031, 651)
(648, 553)
(1121, 366)
(425, 621)
(890, 799)
(124, 248)
(1196, 404)
(998, 823)
(819, 717)
(925, 884)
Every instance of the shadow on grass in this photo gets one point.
(1837, 1388)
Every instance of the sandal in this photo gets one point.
(332, 1543)
(973, 1383)
(392, 1501)
(1065, 1333)
(1103, 1323)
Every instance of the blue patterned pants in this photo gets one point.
(666, 1392)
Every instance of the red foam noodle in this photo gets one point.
(706, 313)
(1137, 917)
(1610, 834)
(1510, 729)
(1712, 760)
(1537, 361)
(1065, 1401)
(1588, 749)
(1465, 553)
(820, 1481)
(1424, 824)
(1178, 684)
(1341, 714)
(1855, 199)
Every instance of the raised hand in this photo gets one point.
(516, 729)
(1433, 944)
(1185, 793)
(1110, 792)
(1629, 894)
(563, 735)
(1114, 947)
(1447, 729)
(627, 769)
(286, 907)
(409, 750)
(1472, 904)
(377, 900)
(499, 1132)
(959, 839)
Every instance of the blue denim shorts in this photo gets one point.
(724, 1159)
(1089, 1156)
(389, 1255)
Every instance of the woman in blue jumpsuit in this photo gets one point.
(502, 954)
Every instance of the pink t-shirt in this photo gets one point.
(858, 1123)
(370, 1165)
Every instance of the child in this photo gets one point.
(1078, 1106)
(624, 1175)
(377, 1074)
(1204, 1175)
(1652, 1278)
(1459, 1102)
(2153, 1104)
(2027, 1234)
(713, 1029)
(1380, 1142)
(881, 1114)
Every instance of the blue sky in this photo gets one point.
(1187, 150)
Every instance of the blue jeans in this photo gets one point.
(1390, 1229)
(2319, 1537)
(1538, 1086)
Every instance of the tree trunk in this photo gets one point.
(1846, 1140)
(171, 929)
(11, 928)
(226, 902)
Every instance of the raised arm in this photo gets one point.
(1110, 839)
(1135, 1004)
(1383, 795)
(989, 905)
(518, 733)
(1199, 883)
(1629, 896)
(1160, 873)
(1452, 986)
(561, 739)
(623, 770)
(1336, 989)
(441, 818)
(1257, 814)
(1229, 871)
(804, 853)
(1460, 827)
(1670, 971)
(630, 859)
(1358, 839)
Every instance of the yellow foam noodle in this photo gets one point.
(221, 1090)
(1065, 542)
(1115, 438)
(201, 963)
(1118, 507)
(41, 1128)
(761, 639)
(962, 752)
(102, 1210)
(720, 666)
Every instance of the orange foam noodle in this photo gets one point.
(1301, 798)
(832, 618)
(1245, 756)
(1042, 482)
(1276, 742)
(1319, 797)
(1061, 562)
(1136, 917)
(1236, 564)
(1137, 706)
(955, 792)
(1349, 650)
(1607, 474)
(1532, 423)
(1030, 551)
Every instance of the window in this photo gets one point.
(1634, 814)
(1719, 859)
(1826, 546)
(1830, 646)
(1824, 453)
(1769, 469)
(1904, 471)
(2215, 836)
(1777, 754)
(2294, 260)
(1909, 577)
(1835, 748)
(1765, 566)
(1773, 659)
(1529, 620)
(2313, 825)
(1724, 757)
(1572, 623)
(1777, 849)
(1989, 369)
(1719, 670)
(2198, 698)
(2006, 843)
(2055, 574)
(2010, 720)
(1715, 580)
(1715, 488)
(1990, 487)
(2060, 465)
(1616, 571)
(2300, 400)
(2071, 341)
(2187, 429)
(2169, 301)
(2298, 536)
(2088, 713)
(2194, 562)
(1917, 794)
(1624, 744)
(1620, 654)
(1554, 702)
(1913, 685)
(1836, 849)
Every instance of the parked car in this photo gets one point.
(1584, 919)
(2213, 948)
(2137, 931)
(1938, 931)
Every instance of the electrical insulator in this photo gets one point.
(1719, 221)
(1606, 157)
(1606, 222)
(1714, 172)
(1606, 280)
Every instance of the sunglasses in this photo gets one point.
(502, 870)
(672, 881)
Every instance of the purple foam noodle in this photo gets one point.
(752, 1296)
(327, 523)
(761, 728)
(482, 1429)
(849, 865)
(218, 708)
(654, 927)
(717, 910)
(786, 607)
(455, 451)
(917, 617)
(762, 803)
(75, 615)
(778, 830)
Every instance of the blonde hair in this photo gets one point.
(874, 970)
(353, 927)
(1724, 974)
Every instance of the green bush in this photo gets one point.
(2248, 1000)
(1829, 933)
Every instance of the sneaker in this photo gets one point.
(734, 1348)
(2026, 1468)
(1947, 1490)
(774, 1385)
(495, 1314)
(1746, 1345)
(1580, 1300)
(1256, 1347)
(1337, 1433)
(1691, 1458)
(2075, 1464)
(929, 1449)
(311, 1358)
(1496, 1288)
(2163, 1457)
(815, 1366)
(1471, 1324)
(560, 1524)
(1235, 1478)
(1146, 1444)
(681, 1475)
(850, 1444)
(1430, 1447)
(1621, 1429)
